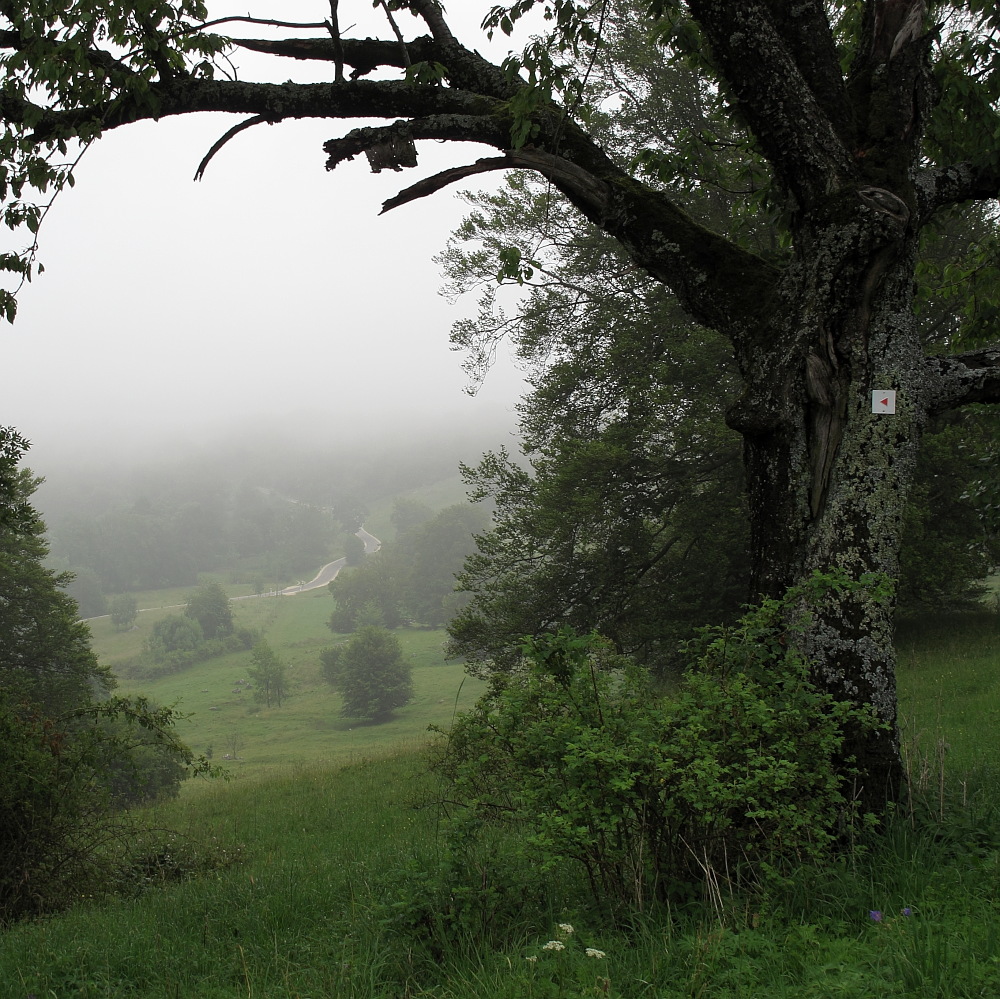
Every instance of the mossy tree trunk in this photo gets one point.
(829, 466)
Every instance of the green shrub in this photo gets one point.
(63, 785)
(716, 786)
(174, 633)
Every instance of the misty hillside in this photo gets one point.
(267, 507)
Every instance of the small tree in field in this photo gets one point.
(370, 673)
(269, 674)
(124, 611)
(234, 743)
(209, 606)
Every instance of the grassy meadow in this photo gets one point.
(323, 874)
(222, 719)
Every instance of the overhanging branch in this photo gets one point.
(963, 379)
(707, 271)
(947, 186)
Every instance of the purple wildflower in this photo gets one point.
(875, 915)
(907, 911)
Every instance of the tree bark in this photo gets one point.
(828, 477)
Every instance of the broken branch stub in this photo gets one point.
(392, 152)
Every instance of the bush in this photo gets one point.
(62, 787)
(174, 633)
(718, 785)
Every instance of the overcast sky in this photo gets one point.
(271, 291)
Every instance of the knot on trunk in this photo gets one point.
(892, 208)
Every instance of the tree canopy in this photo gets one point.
(45, 654)
(627, 512)
(848, 133)
(73, 755)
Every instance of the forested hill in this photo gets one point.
(159, 523)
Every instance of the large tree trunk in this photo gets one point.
(828, 477)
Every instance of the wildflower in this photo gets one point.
(554, 945)
(594, 952)
(532, 958)
(875, 915)
(565, 929)
(907, 911)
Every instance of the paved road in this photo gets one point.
(330, 570)
(327, 573)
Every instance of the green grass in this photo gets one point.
(335, 892)
(277, 925)
(326, 903)
(950, 690)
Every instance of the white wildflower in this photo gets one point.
(593, 952)
(532, 958)
(565, 929)
(554, 945)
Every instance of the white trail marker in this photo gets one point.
(884, 401)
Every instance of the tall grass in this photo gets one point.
(329, 881)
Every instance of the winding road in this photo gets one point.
(324, 576)
(330, 570)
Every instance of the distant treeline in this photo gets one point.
(268, 514)
(154, 543)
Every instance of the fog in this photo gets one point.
(269, 295)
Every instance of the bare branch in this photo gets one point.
(555, 168)
(468, 128)
(246, 19)
(333, 26)
(430, 185)
(235, 130)
(363, 54)
(397, 33)
(430, 11)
